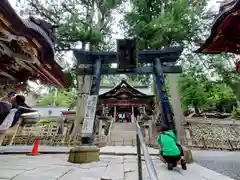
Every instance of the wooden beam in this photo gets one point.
(165, 55)
(141, 70)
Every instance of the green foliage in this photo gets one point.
(58, 98)
(220, 98)
(199, 92)
(192, 91)
(209, 82)
(44, 121)
(223, 66)
(236, 113)
(156, 24)
(77, 21)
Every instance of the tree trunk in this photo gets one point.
(196, 109)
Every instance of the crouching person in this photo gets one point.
(171, 151)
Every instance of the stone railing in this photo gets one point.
(213, 136)
(54, 140)
(50, 134)
(203, 135)
(221, 135)
(42, 130)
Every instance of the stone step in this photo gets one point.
(124, 126)
(123, 134)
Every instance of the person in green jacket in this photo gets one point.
(171, 151)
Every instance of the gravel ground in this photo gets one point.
(227, 163)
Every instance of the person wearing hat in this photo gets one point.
(171, 151)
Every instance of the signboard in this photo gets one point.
(89, 116)
(126, 54)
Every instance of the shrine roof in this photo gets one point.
(27, 50)
(225, 35)
(143, 90)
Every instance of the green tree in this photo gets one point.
(223, 67)
(57, 98)
(156, 24)
(79, 22)
(220, 97)
(192, 91)
(198, 91)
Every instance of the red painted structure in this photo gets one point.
(225, 36)
(27, 50)
(238, 66)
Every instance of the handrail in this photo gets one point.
(150, 167)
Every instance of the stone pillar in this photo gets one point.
(100, 127)
(144, 109)
(150, 131)
(148, 137)
(84, 83)
(176, 104)
(132, 115)
(188, 137)
(2, 136)
(84, 154)
(139, 116)
(115, 113)
(103, 109)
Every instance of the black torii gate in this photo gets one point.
(125, 57)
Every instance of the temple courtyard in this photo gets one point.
(121, 166)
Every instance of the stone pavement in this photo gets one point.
(125, 150)
(56, 167)
(107, 150)
(227, 163)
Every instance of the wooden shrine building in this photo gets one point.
(225, 35)
(27, 51)
(125, 102)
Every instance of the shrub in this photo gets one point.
(236, 113)
(44, 121)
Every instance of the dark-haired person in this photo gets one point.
(6, 105)
(10, 112)
(19, 103)
(171, 151)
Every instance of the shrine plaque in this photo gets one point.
(89, 116)
(126, 54)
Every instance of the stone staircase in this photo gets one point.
(122, 134)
